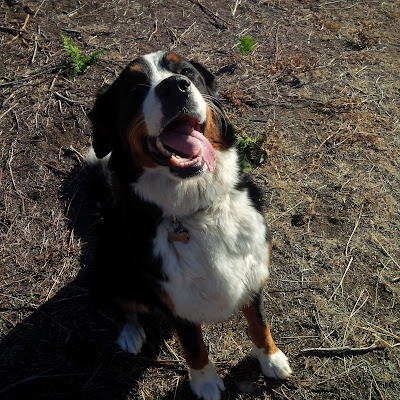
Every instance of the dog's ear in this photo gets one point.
(103, 120)
(208, 77)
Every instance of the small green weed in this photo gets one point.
(252, 155)
(246, 45)
(77, 63)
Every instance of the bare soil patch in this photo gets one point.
(321, 92)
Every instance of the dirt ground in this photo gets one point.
(321, 94)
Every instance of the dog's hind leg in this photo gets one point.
(274, 364)
(204, 380)
(132, 336)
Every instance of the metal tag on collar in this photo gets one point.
(178, 233)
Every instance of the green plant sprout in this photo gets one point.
(251, 153)
(246, 45)
(77, 63)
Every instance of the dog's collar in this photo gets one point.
(177, 232)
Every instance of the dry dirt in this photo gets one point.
(320, 91)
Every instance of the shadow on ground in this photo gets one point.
(66, 348)
(66, 351)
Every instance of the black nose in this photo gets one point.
(173, 86)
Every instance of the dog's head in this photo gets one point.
(161, 112)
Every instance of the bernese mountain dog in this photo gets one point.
(184, 232)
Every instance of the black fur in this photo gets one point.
(125, 266)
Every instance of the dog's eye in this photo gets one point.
(133, 88)
(187, 72)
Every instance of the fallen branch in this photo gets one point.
(207, 10)
(11, 30)
(338, 351)
(34, 74)
(59, 96)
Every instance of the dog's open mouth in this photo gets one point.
(182, 146)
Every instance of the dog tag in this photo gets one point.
(182, 236)
(178, 233)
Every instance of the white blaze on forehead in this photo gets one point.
(157, 71)
(152, 107)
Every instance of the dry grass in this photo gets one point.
(321, 88)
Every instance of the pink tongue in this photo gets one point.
(188, 142)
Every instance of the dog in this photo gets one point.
(184, 231)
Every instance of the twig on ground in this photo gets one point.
(341, 281)
(40, 6)
(353, 312)
(78, 155)
(287, 211)
(32, 75)
(155, 30)
(25, 23)
(91, 378)
(10, 30)
(338, 351)
(34, 52)
(57, 280)
(347, 254)
(171, 350)
(385, 251)
(59, 96)
(73, 31)
(187, 30)
(376, 384)
(7, 111)
(236, 6)
(304, 166)
(307, 164)
(73, 12)
(19, 32)
(171, 34)
(354, 230)
(382, 331)
(205, 8)
(21, 195)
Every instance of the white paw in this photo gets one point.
(132, 337)
(273, 365)
(205, 383)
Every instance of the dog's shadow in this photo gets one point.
(66, 349)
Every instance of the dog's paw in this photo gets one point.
(205, 383)
(273, 365)
(132, 337)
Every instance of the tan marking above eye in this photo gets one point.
(173, 57)
(135, 67)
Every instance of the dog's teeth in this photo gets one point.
(175, 161)
(161, 147)
(200, 153)
(183, 164)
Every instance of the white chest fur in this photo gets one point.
(224, 262)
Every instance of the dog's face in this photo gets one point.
(161, 112)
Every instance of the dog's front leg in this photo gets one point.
(273, 362)
(204, 380)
